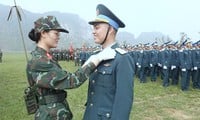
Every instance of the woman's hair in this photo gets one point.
(35, 36)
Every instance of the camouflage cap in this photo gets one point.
(48, 23)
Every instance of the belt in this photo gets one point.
(55, 98)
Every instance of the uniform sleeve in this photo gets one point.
(124, 89)
(49, 75)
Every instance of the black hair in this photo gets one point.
(34, 36)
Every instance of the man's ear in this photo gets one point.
(112, 30)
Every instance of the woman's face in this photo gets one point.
(51, 38)
(99, 32)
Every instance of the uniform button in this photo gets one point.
(107, 115)
(93, 81)
(104, 72)
(92, 93)
(91, 105)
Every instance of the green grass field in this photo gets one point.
(151, 100)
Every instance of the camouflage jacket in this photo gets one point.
(47, 73)
(51, 80)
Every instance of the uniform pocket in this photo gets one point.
(105, 75)
(104, 114)
(105, 70)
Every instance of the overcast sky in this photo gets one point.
(167, 16)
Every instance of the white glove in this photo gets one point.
(92, 58)
(183, 69)
(195, 68)
(173, 67)
(164, 67)
(106, 54)
(151, 65)
(139, 66)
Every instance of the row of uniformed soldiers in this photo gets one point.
(82, 54)
(173, 62)
(79, 55)
(62, 54)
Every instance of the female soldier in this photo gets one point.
(47, 75)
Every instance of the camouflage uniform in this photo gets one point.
(50, 81)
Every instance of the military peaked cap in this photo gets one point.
(104, 15)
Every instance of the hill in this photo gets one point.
(80, 30)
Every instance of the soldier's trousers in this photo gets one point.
(166, 77)
(175, 76)
(153, 72)
(196, 78)
(185, 79)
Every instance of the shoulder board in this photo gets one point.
(121, 51)
(96, 51)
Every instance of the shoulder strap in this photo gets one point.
(120, 51)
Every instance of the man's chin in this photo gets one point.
(55, 46)
(97, 42)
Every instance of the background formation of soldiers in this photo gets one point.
(175, 63)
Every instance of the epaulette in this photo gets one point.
(121, 51)
(96, 51)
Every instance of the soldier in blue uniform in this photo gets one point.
(153, 62)
(186, 66)
(166, 63)
(174, 65)
(110, 90)
(143, 61)
(196, 66)
(82, 56)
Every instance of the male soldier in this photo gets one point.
(196, 66)
(185, 65)
(166, 63)
(82, 56)
(153, 62)
(77, 57)
(110, 91)
(1, 55)
(174, 64)
(143, 61)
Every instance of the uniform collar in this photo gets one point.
(43, 52)
(113, 45)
